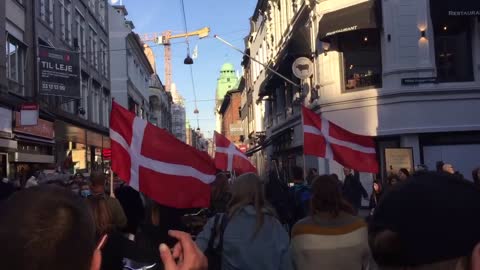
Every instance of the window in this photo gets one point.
(81, 39)
(453, 48)
(66, 20)
(103, 59)
(84, 98)
(106, 61)
(101, 12)
(92, 4)
(362, 59)
(46, 12)
(15, 64)
(93, 48)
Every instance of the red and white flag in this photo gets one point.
(323, 138)
(157, 164)
(229, 158)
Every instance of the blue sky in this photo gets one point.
(227, 18)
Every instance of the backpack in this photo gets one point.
(214, 253)
(300, 200)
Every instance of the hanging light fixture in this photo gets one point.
(195, 111)
(188, 60)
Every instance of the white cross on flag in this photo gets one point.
(229, 158)
(154, 162)
(324, 139)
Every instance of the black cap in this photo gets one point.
(435, 217)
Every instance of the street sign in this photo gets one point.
(59, 72)
(302, 68)
(29, 114)
(236, 129)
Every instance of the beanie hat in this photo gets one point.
(436, 217)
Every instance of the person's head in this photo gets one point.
(347, 171)
(220, 185)
(476, 176)
(101, 215)
(85, 190)
(78, 178)
(327, 198)
(47, 227)
(247, 190)
(97, 180)
(403, 174)
(377, 187)
(439, 166)
(312, 172)
(75, 188)
(335, 176)
(448, 168)
(393, 180)
(446, 227)
(297, 173)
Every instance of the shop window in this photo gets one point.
(15, 63)
(453, 48)
(362, 59)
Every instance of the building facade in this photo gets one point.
(81, 126)
(130, 68)
(406, 75)
(65, 125)
(160, 104)
(178, 115)
(230, 110)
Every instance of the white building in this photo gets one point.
(178, 115)
(405, 72)
(160, 104)
(129, 67)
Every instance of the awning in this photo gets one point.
(457, 8)
(353, 18)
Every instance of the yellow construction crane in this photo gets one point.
(164, 39)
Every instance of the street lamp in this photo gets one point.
(188, 60)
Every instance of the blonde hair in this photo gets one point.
(247, 189)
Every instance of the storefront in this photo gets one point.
(85, 147)
(7, 145)
(35, 148)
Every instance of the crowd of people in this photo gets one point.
(418, 220)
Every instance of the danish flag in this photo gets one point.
(229, 158)
(323, 138)
(154, 162)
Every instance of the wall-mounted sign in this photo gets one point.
(397, 158)
(43, 128)
(59, 72)
(5, 121)
(415, 81)
(236, 129)
(302, 68)
(29, 114)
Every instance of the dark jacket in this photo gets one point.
(353, 190)
(132, 206)
(119, 247)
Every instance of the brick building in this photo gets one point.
(231, 123)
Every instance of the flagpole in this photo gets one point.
(304, 164)
(112, 194)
